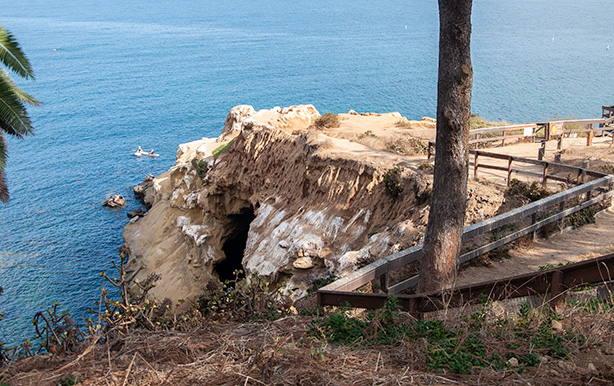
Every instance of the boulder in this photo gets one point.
(115, 201)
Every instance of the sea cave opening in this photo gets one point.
(234, 246)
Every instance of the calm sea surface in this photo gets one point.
(116, 74)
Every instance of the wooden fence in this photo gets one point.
(553, 282)
(551, 209)
(575, 174)
(551, 130)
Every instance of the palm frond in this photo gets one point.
(14, 117)
(19, 93)
(12, 56)
(4, 192)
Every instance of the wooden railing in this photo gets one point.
(528, 213)
(552, 129)
(579, 175)
(553, 282)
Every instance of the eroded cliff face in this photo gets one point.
(284, 201)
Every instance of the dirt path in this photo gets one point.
(573, 245)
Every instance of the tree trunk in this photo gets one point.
(442, 242)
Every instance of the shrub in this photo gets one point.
(222, 149)
(327, 120)
(243, 299)
(533, 192)
(201, 166)
(367, 134)
(407, 146)
(393, 182)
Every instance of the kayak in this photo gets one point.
(142, 153)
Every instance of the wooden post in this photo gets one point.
(589, 138)
(428, 151)
(503, 140)
(509, 170)
(547, 131)
(545, 176)
(533, 221)
(384, 282)
(562, 221)
(557, 295)
(475, 166)
(585, 165)
(542, 151)
(559, 143)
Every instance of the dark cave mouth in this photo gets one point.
(234, 246)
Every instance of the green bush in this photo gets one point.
(201, 166)
(393, 182)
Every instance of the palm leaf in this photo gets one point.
(14, 117)
(12, 56)
(19, 93)
(4, 192)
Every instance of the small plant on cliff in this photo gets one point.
(201, 166)
(535, 191)
(222, 149)
(318, 283)
(407, 146)
(327, 120)
(134, 309)
(243, 299)
(393, 182)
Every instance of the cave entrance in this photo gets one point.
(234, 246)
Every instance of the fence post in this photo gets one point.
(562, 221)
(428, 151)
(509, 170)
(384, 282)
(542, 151)
(545, 176)
(559, 143)
(557, 295)
(533, 221)
(475, 166)
(589, 138)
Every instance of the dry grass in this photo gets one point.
(282, 352)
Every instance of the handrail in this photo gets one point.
(554, 282)
(381, 267)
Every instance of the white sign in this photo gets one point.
(528, 131)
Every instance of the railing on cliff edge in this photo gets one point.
(554, 283)
(380, 268)
(551, 130)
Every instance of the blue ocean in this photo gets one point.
(113, 75)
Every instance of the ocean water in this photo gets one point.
(113, 75)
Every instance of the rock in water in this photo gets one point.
(115, 201)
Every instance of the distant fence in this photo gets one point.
(554, 282)
(552, 209)
(575, 175)
(549, 130)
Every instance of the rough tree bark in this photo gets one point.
(444, 231)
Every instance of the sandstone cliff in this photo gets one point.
(285, 200)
